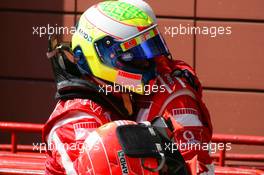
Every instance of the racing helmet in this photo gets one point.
(117, 41)
(125, 147)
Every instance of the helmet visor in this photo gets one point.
(141, 48)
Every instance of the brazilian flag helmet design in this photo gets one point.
(117, 42)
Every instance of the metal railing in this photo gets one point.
(221, 157)
(15, 128)
(238, 140)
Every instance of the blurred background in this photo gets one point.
(230, 67)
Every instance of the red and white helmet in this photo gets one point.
(103, 155)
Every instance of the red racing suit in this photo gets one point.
(72, 120)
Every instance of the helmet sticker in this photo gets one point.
(126, 78)
(85, 35)
(138, 40)
(122, 161)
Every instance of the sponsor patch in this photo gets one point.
(125, 78)
(83, 129)
(187, 117)
(184, 111)
(138, 40)
(123, 163)
(85, 35)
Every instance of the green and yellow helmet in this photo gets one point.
(117, 41)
